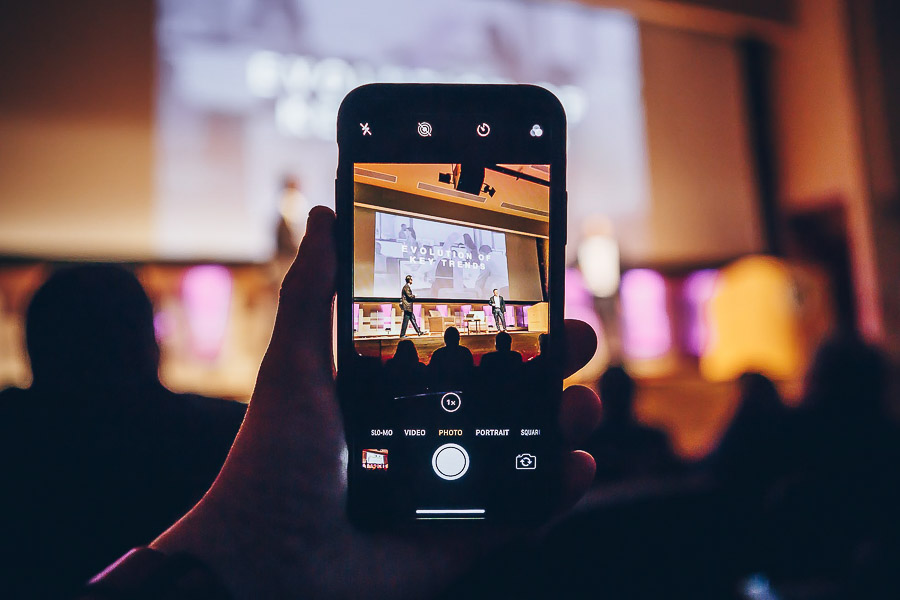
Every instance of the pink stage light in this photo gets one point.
(387, 319)
(488, 316)
(206, 295)
(465, 309)
(356, 310)
(580, 302)
(697, 290)
(443, 310)
(163, 326)
(580, 305)
(647, 331)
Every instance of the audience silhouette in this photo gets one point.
(97, 456)
(504, 361)
(832, 518)
(751, 453)
(622, 447)
(749, 460)
(800, 499)
(451, 366)
(500, 376)
(404, 373)
(540, 358)
(536, 373)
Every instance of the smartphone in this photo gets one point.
(451, 220)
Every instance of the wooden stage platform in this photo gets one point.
(525, 342)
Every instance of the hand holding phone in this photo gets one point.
(274, 522)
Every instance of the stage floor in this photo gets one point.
(384, 347)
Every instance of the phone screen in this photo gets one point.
(448, 380)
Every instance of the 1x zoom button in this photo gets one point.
(451, 402)
(450, 461)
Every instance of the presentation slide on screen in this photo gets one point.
(445, 260)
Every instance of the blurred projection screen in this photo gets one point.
(174, 135)
(248, 96)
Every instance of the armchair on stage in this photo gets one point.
(436, 322)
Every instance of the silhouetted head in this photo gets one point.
(91, 325)
(406, 352)
(543, 340)
(409, 279)
(503, 341)
(759, 397)
(451, 336)
(847, 379)
(616, 394)
(496, 292)
(485, 249)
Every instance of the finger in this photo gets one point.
(579, 414)
(300, 349)
(581, 344)
(578, 475)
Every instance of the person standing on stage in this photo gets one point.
(406, 304)
(498, 307)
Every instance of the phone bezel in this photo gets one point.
(385, 107)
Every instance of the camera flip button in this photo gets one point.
(526, 462)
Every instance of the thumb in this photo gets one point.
(299, 352)
(287, 448)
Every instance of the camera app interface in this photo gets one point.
(450, 317)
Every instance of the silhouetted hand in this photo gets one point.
(274, 522)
